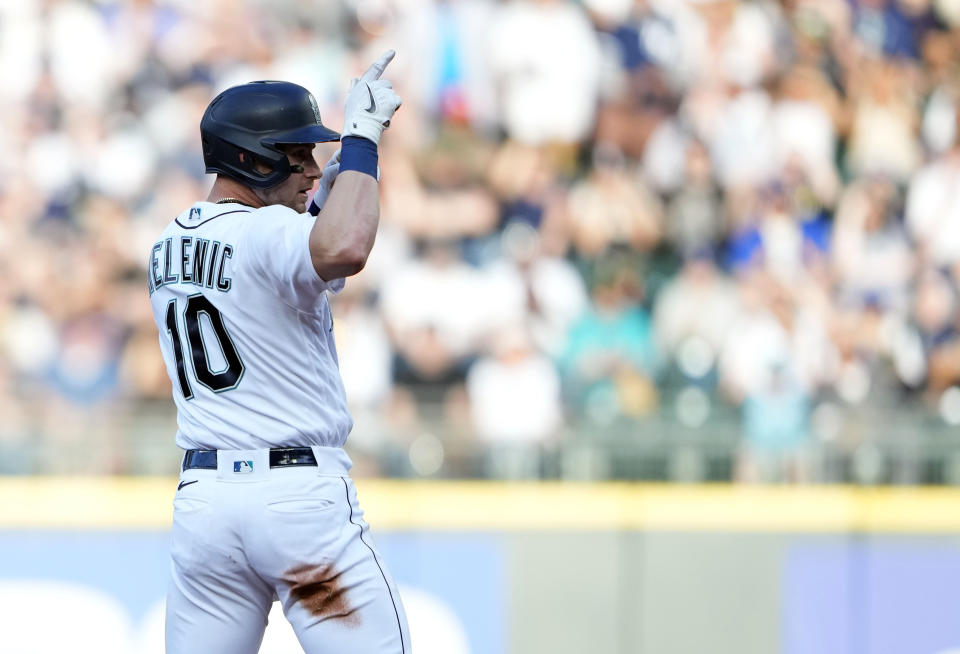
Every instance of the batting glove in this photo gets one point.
(371, 102)
(330, 170)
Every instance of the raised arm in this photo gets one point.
(349, 212)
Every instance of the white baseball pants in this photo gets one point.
(245, 535)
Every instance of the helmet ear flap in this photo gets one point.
(254, 120)
(242, 165)
(256, 164)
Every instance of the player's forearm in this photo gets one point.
(344, 232)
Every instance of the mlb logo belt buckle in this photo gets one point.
(242, 465)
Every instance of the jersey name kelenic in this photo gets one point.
(246, 330)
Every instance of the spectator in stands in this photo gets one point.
(446, 70)
(514, 395)
(776, 430)
(924, 355)
(933, 207)
(885, 120)
(545, 58)
(693, 315)
(610, 359)
(611, 208)
(777, 326)
(871, 254)
(774, 234)
(432, 318)
(695, 222)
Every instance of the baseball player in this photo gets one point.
(265, 508)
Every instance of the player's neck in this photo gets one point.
(225, 188)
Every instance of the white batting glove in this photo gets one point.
(371, 102)
(330, 171)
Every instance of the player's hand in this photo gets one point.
(330, 171)
(371, 102)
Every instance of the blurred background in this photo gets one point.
(659, 240)
(672, 241)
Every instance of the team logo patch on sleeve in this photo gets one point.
(243, 467)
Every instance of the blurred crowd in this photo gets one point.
(594, 214)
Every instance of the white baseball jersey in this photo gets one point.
(246, 330)
(247, 337)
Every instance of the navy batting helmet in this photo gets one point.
(253, 119)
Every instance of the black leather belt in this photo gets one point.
(279, 458)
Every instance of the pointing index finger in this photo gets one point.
(377, 68)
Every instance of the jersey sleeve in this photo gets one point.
(278, 244)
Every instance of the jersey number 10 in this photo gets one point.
(222, 380)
